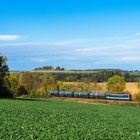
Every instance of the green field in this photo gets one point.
(62, 120)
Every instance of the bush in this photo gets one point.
(32, 93)
(41, 92)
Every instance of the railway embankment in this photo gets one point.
(99, 101)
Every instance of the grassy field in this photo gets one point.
(60, 120)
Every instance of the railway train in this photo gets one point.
(91, 95)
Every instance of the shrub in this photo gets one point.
(41, 92)
(32, 93)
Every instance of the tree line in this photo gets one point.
(95, 76)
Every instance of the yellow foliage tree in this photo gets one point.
(116, 84)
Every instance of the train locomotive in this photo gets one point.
(91, 95)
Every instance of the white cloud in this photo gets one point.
(9, 37)
(85, 50)
(130, 58)
(138, 33)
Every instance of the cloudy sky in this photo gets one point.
(75, 34)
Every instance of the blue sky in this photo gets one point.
(75, 34)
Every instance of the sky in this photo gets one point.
(74, 34)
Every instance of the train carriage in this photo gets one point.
(77, 94)
(92, 95)
(125, 97)
(61, 93)
(68, 94)
(54, 93)
(84, 94)
(100, 96)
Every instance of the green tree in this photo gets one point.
(116, 84)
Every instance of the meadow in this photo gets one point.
(60, 120)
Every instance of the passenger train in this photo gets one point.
(91, 95)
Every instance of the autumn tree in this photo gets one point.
(116, 84)
(26, 80)
(13, 85)
(60, 84)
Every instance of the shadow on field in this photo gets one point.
(26, 99)
(32, 99)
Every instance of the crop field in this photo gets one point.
(63, 120)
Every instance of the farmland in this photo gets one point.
(55, 119)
